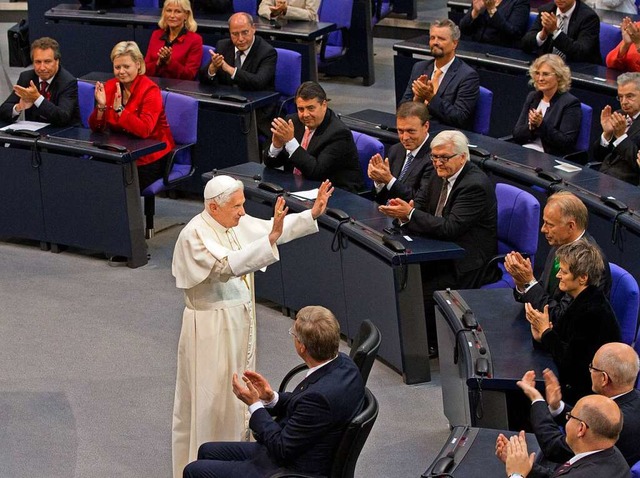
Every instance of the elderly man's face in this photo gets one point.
(242, 32)
(44, 63)
(446, 161)
(629, 98)
(556, 229)
(228, 214)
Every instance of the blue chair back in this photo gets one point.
(482, 119)
(532, 18)
(248, 6)
(288, 77)
(86, 101)
(338, 12)
(206, 57)
(518, 226)
(146, 3)
(610, 36)
(182, 116)
(367, 146)
(635, 469)
(582, 143)
(625, 300)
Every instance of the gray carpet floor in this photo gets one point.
(88, 351)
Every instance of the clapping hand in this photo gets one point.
(247, 394)
(260, 384)
(164, 55)
(282, 132)
(379, 170)
(422, 89)
(539, 320)
(518, 458)
(216, 62)
(535, 119)
(519, 268)
(398, 209)
(29, 94)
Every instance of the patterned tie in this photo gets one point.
(238, 64)
(562, 25)
(442, 199)
(44, 90)
(562, 469)
(435, 81)
(406, 166)
(304, 145)
(553, 280)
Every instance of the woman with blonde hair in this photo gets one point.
(175, 50)
(132, 103)
(551, 116)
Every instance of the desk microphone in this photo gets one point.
(255, 177)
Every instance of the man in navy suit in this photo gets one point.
(458, 204)
(447, 85)
(47, 93)
(614, 370)
(568, 28)
(592, 430)
(245, 60)
(309, 421)
(399, 175)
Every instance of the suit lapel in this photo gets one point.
(446, 79)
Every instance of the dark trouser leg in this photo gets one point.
(230, 460)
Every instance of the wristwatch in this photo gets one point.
(119, 109)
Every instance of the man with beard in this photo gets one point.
(448, 86)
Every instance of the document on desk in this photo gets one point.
(309, 195)
(567, 167)
(25, 125)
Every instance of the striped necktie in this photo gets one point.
(406, 166)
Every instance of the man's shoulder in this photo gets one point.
(263, 45)
(224, 45)
(64, 76)
(548, 7)
(463, 68)
(584, 11)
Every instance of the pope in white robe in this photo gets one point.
(213, 262)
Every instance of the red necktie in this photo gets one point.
(44, 90)
(562, 469)
(305, 144)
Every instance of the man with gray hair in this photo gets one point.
(457, 204)
(447, 85)
(213, 262)
(617, 147)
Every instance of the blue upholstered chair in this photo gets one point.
(86, 101)
(206, 57)
(146, 3)
(610, 36)
(367, 147)
(518, 225)
(249, 6)
(482, 119)
(635, 470)
(288, 78)
(182, 115)
(581, 154)
(532, 18)
(335, 44)
(382, 8)
(625, 300)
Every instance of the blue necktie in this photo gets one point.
(406, 166)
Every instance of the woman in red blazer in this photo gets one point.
(175, 50)
(132, 103)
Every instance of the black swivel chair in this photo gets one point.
(350, 446)
(363, 352)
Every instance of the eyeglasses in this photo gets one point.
(293, 334)
(593, 369)
(568, 416)
(442, 159)
(630, 97)
(543, 74)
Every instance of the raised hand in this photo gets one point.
(379, 169)
(100, 96)
(260, 384)
(322, 199)
(539, 320)
(280, 211)
(282, 132)
(247, 394)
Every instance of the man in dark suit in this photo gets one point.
(593, 427)
(614, 370)
(48, 93)
(447, 85)
(457, 204)
(399, 175)
(564, 220)
(245, 60)
(309, 421)
(618, 146)
(568, 28)
(314, 143)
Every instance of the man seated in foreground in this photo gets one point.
(310, 420)
(592, 430)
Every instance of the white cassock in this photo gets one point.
(214, 265)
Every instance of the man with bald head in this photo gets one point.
(593, 427)
(614, 370)
(564, 220)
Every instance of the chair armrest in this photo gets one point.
(494, 260)
(508, 138)
(344, 34)
(281, 111)
(169, 166)
(594, 165)
(292, 373)
(578, 157)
